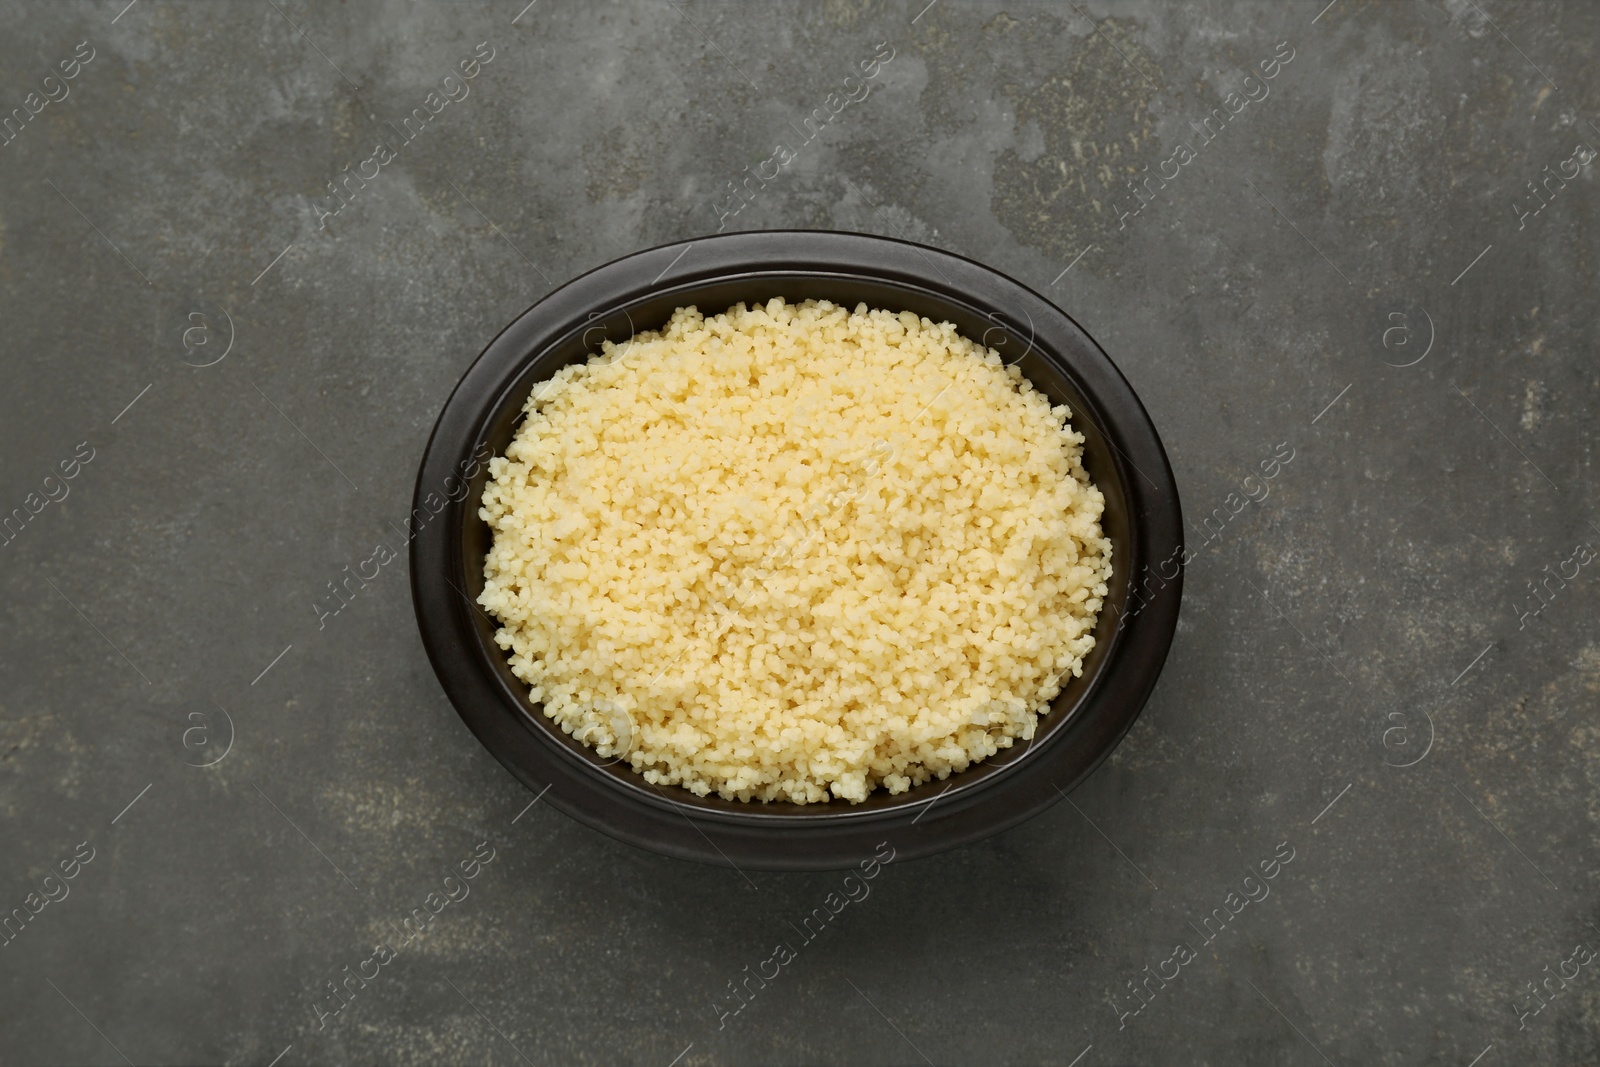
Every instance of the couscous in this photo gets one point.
(793, 552)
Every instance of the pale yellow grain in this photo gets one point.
(791, 552)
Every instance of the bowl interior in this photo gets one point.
(1014, 341)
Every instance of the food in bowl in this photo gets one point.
(794, 552)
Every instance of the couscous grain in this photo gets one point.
(792, 551)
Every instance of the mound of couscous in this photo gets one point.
(791, 551)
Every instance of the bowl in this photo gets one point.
(1121, 451)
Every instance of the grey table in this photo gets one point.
(1353, 247)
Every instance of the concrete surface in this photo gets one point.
(1351, 266)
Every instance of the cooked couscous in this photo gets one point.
(791, 552)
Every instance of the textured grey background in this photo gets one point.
(1357, 638)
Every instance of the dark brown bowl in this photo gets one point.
(1122, 454)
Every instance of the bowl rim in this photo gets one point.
(1010, 786)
